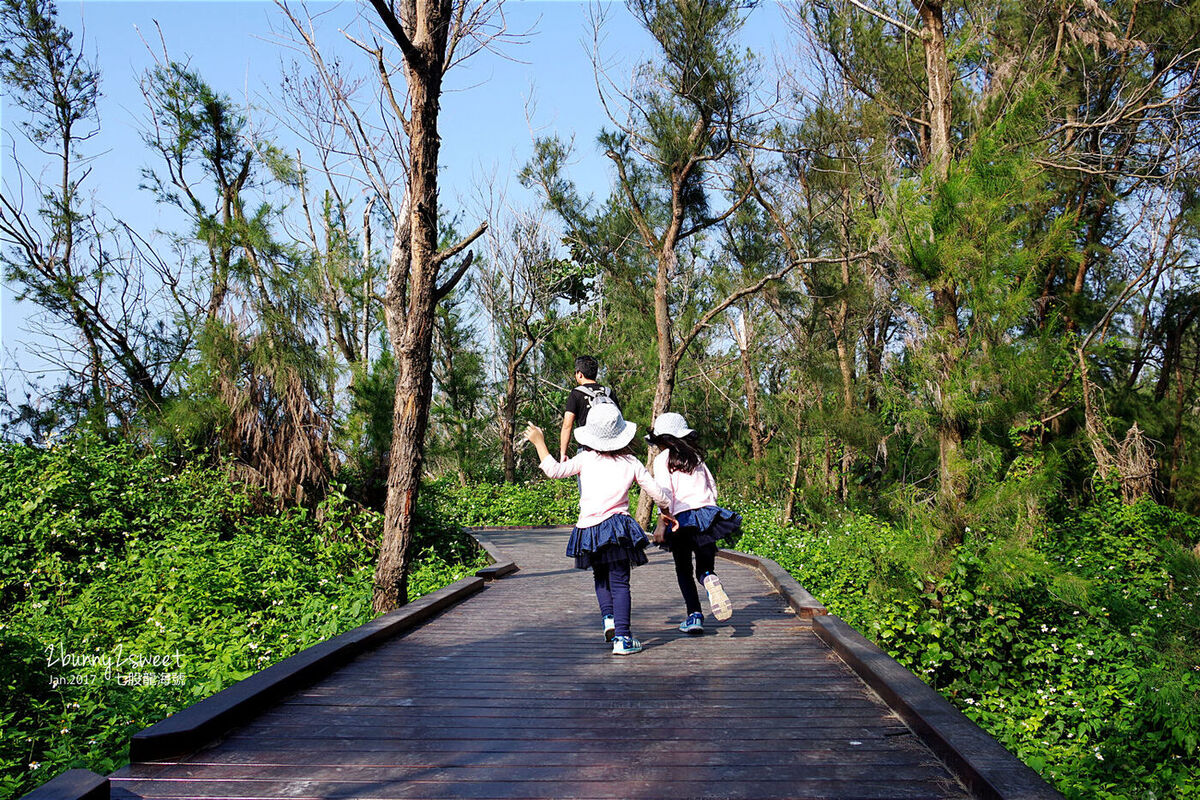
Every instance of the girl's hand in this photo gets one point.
(674, 522)
(533, 434)
(660, 530)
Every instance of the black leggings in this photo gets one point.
(706, 556)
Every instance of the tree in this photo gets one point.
(87, 276)
(520, 280)
(429, 33)
(257, 382)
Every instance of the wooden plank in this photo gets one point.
(483, 771)
(265, 743)
(533, 703)
(442, 757)
(630, 786)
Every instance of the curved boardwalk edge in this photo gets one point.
(195, 725)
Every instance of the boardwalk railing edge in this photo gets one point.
(985, 766)
(74, 784)
(501, 564)
(198, 723)
(981, 762)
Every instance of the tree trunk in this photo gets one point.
(952, 478)
(664, 386)
(937, 72)
(410, 420)
(425, 24)
(364, 334)
(952, 475)
(789, 507)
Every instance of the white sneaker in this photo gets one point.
(610, 629)
(718, 601)
(626, 646)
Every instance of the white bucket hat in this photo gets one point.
(671, 424)
(606, 429)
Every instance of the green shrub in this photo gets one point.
(108, 557)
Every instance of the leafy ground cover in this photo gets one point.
(134, 587)
(535, 503)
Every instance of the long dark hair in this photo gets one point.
(686, 454)
(627, 450)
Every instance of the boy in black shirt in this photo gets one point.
(585, 395)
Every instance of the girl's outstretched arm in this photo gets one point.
(552, 468)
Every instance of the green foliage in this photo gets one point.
(536, 503)
(1076, 646)
(108, 557)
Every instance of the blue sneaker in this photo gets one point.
(626, 646)
(693, 625)
(610, 629)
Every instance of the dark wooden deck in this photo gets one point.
(514, 694)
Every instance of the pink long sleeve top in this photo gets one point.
(604, 483)
(687, 490)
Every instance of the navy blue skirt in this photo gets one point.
(699, 527)
(618, 538)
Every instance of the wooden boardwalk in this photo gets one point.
(513, 693)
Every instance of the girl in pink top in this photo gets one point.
(680, 472)
(605, 538)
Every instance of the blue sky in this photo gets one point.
(230, 43)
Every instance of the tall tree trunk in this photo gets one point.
(952, 474)
(364, 334)
(937, 73)
(422, 33)
(952, 478)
